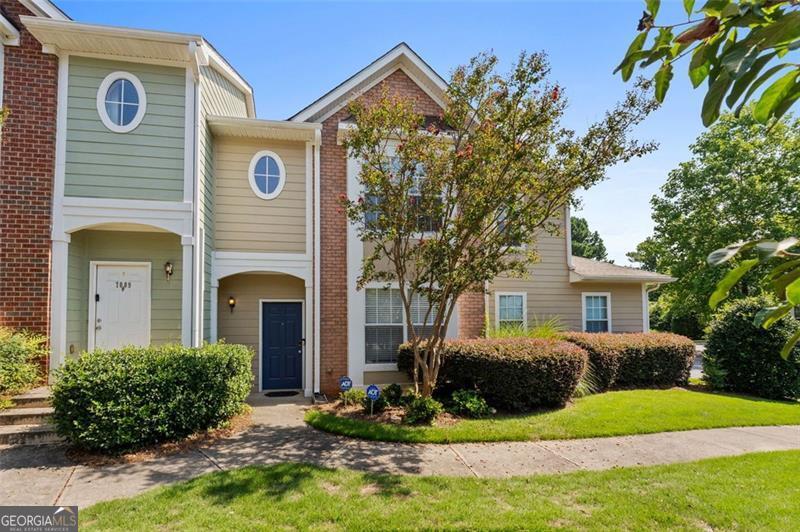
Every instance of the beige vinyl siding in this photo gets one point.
(549, 292)
(146, 163)
(218, 96)
(245, 222)
(242, 326)
(165, 297)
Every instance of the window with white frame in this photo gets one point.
(426, 222)
(511, 310)
(267, 174)
(385, 324)
(121, 102)
(596, 313)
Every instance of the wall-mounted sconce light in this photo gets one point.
(231, 302)
(169, 269)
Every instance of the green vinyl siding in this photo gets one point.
(125, 246)
(146, 163)
(219, 97)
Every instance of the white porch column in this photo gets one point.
(58, 301)
(214, 303)
(186, 289)
(308, 350)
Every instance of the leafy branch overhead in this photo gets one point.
(736, 47)
(447, 203)
(784, 278)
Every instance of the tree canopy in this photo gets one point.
(741, 183)
(445, 208)
(585, 242)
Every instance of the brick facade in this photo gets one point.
(27, 157)
(333, 232)
(471, 315)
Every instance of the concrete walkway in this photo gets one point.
(42, 475)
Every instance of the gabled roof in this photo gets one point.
(585, 270)
(132, 44)
(400, 57)
(45, 8)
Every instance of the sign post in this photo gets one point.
(373, 393)
(345, 383)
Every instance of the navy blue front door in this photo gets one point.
(281, 345)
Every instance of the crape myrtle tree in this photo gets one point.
(741, 49)
(448, 204)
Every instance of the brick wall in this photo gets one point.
(333, 230)
(471, 315)
(26, 176)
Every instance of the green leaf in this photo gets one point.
(731, 10)
(688, 5)
(780, 284)
(713, 8)
(793, 292)
(663, 78)
(767, 317)
(760, 81)
(784, 30)
(773, 96)
(652, 7)
(782, 268)
(787, 102)
(699, 65)
(729, 281)
(789, 345)
(768, 249)
(627, 64)
(747, 78)
(717, 257)
(714, 96)
(739, 59)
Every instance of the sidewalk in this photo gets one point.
(42, 475)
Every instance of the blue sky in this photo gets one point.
(293, 52)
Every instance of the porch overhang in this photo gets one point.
(251, 128)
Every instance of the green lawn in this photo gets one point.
(606, 414)
(750, 492)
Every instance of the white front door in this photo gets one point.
(121, 305)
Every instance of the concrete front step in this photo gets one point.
(28, 434)
(36, 398)
(25, 416)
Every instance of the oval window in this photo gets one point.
(267, 175)
(121, 102)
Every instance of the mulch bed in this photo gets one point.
(393, 415)
(236, 425)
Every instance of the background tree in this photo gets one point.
(444, 208)
(740, 47)
(737, 47)
(585, 242)
(741, 183)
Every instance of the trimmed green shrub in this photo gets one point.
(468, 403)
(353, 396)
(20, 360)
(631, 360)
(422, 410)
(374, 407)
(742, 357)
(393, 394)
(513, 374)
(120, 400)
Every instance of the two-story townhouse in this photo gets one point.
(180, 217)
(28, 87)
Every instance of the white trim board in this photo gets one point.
(227, 263)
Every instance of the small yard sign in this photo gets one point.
(345, 383)
(373, 392)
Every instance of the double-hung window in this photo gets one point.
(596, 312)
(385, 329)
(426, 222)
(511, 311)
